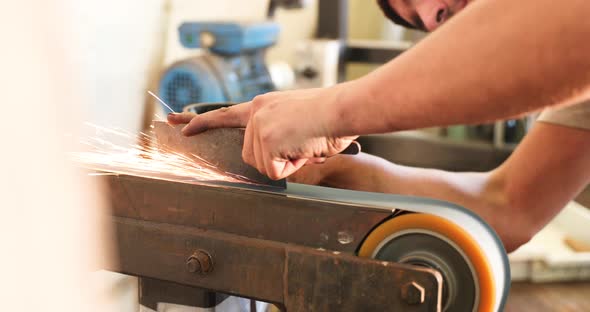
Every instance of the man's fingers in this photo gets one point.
(258, 155)
(181, 118)
(227, 117)
(287, 168)
(271, 170)
(316, 160)
(247, 152)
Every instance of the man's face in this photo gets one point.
(427, 14)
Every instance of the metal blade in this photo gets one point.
(220, 147)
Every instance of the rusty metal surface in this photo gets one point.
(297, 278)
(276, 217)
(267, 246)
(326, 282)
(220, 147)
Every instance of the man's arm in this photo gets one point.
(518, 199)
(496, 59)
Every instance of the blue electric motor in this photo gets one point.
(232, 69)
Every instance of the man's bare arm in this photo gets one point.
(496, 59)
(546, 171)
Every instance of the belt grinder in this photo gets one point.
(308, 248)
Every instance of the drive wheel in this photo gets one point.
(434, 242)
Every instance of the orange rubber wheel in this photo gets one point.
(432, 241)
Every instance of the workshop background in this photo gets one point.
(124, 46)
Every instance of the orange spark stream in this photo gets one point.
(144, 158)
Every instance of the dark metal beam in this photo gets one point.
(257, 244)
(252, 214)
(152, 291)
(370, 55)
(332, 19)
(294, 277)
(367, 55)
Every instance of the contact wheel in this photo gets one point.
(434, 242)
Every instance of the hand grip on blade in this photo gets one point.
(221, 148)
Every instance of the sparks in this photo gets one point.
(144, 158)
(161, 101)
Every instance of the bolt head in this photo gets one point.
(412, 293)
(200, 262)
(193, 265)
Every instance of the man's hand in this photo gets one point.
(284, 130)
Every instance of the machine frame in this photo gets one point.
(267, 247)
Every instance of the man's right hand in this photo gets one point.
(284, 130)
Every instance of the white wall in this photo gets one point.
(120, 50)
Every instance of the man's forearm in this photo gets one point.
(518, 198)
(496, 59)
(482, 193)
(366, 172)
